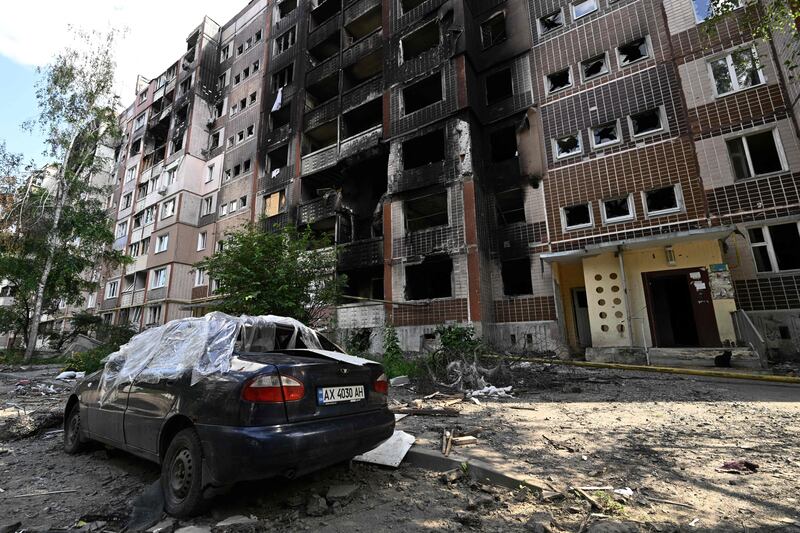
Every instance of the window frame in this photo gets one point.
(606, 61)
(563, 212)
(539, 28)
(648, 45)
(603, 146)
(554, 143)
(671, 211)
(484, 45)
(572, 9)
(734, 79)
(662, 115)
(571, 84)
(773, 258)
(616, 220)
(159, 247)
(109, 293)
(200, 277)
(757, 131)
(202, 240)
(171, 202)
(154, 278)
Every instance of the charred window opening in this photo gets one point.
(646, 122)
(578, 216)
(322, 10)
(510, 206)
(617, 209)
(594, 67)
(493, 31)
(364, 25)
(503, 144)
(424, 150)
(363, 118)
(281, 116)
(322, 91)
(181, 116)
(283, 77)
(420, 40)
(605, 134)
(326, 49)
(551, 22)
(633, 51)
(321, 137)
(362, 70)
(517, 277)
(661, 201)
(559, 80)
(499, 86)
(430, 279)
(425, 212)
(286, 7)
(408, 5)
(364, 283)
(285, 41)
(423, 93)
(278, 158)
(568, 146)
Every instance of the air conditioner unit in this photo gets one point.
(162, 190)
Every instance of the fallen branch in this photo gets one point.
(48, 493)
(588, 498)
(557, 445)
(669, 502)
(425, 412)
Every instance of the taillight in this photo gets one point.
(381, 384)
(273, 389)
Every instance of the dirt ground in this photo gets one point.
(664, 437)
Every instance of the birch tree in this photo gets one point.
(77, 112)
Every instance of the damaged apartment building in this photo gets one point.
(591, 176)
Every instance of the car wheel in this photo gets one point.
(72, 431)
(181, 475)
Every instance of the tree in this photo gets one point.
(62, 229)
(769, 19)
(288, 273)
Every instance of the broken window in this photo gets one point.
(274, 203)
(493, 31)
(326, 49)
(427, 211)
(755, 154)
(423, 93)
(430, 279)
(363, 118)
(559, 80)
(136, 146)
(567, 146)
(516, 276)
(421, 40)
(408, 5)
(278, 158)
(551, 22)
(736, 71)
(285, 41)
(499, 86)
(646, 122)
(510, 206)
(605, 134)
(366, 23)
(581, 9)
(633, 51)
(503, 143)
(776, 248)
(286, 7)
(423, 150)
(321, 137)
(596, 66)
(364, 283)
(283, 77)
(662, 201)
(618, 209)
(577, 216)
(281, 117)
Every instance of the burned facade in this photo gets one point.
(562, 175)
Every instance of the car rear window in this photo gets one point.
(271, 337)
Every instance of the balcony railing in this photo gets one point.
(317, 209)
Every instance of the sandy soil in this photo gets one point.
(664, 437)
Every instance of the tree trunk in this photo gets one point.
(62, 190)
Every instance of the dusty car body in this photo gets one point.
(266, 397)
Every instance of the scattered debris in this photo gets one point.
(147, 508)
(391, 452)
(167, 525)
(425, 412)
(237, 520)
(626, 492)
(668, 502)
(400, 381)
(588, 498)
(492, 391)
(739, 467)
(316, 505)
(70, 375)
(557, 445)
(464, 441)
(341, 493)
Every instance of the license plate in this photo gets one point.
(349, 393)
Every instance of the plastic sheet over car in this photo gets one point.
(202, 346)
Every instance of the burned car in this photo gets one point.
(221, 399)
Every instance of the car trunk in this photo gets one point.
(317, 373)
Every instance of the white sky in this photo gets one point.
(32, 31)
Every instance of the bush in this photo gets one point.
(112, 336)
(394, 361)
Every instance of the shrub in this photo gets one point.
(394, 361)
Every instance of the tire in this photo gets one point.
(73, 443)
(181, 475)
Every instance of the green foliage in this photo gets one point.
(456, 343)
(112, 336)
(358, 342)
(288, 273)
(394, 361)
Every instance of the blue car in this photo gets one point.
(221, 399)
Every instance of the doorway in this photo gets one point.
(580, 307)
(680, 308)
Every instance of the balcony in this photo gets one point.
(363, 93)
(357, 316)
(362, 47)
(319, 160)
(361, 254)
(317, 209)
(361, 141)
(321, 71)
(321, 114)
(283, 177)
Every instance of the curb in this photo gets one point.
(478, 470)
(660, 369)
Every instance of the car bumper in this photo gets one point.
(244, 453)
